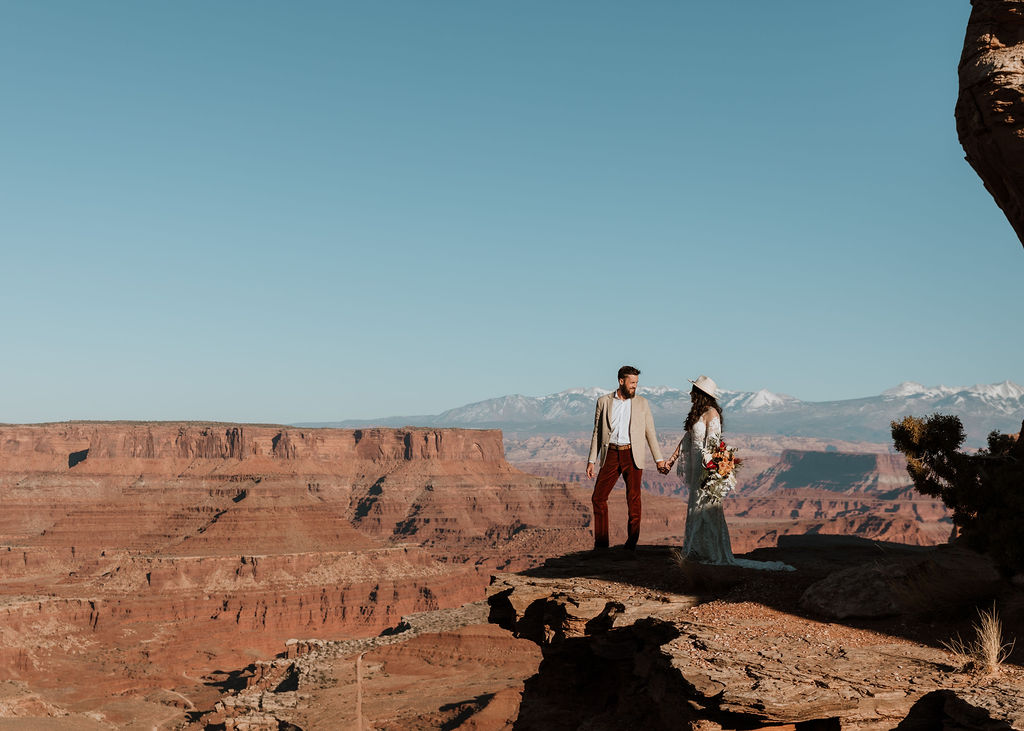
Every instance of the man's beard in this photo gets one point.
(626, 394)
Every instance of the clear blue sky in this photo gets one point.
(279, 212)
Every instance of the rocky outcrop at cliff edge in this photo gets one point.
(990, 109)
(637, 641)
(886, 589)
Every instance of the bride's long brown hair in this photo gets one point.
(701, 403)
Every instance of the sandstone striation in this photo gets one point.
(990, 108)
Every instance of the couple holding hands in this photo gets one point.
(622, 423)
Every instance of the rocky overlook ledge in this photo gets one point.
(640, 642)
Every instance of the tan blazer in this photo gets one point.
(641, 429)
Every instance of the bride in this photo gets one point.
(707, 535)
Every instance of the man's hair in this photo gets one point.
(628, 371)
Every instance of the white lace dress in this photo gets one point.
(707, 535)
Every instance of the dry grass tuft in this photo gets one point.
(987, 652)
(680, 560)
(693, 575)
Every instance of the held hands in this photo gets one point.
(666, 467)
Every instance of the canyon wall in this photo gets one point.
(231, 449)
(137, 559)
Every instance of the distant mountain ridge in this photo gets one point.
(982, 408)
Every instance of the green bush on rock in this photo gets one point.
(985, 490)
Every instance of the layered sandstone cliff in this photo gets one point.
(141, 557)
(233, 449)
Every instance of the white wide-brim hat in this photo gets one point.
(706, 385)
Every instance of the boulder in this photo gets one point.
(949, 578)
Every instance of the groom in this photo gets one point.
(622, 423)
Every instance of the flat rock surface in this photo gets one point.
(729, 646)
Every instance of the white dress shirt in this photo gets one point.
(622, 409)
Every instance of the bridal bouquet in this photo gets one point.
(721, 468)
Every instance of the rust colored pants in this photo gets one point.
(618, 462)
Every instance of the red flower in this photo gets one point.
(711, 465)
(721, 446)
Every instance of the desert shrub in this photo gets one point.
(986, 652)
(985, 490)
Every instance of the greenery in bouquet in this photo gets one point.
(720, 477)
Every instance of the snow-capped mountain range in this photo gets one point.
(577, 402)
(998, 394)
(982, 408)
